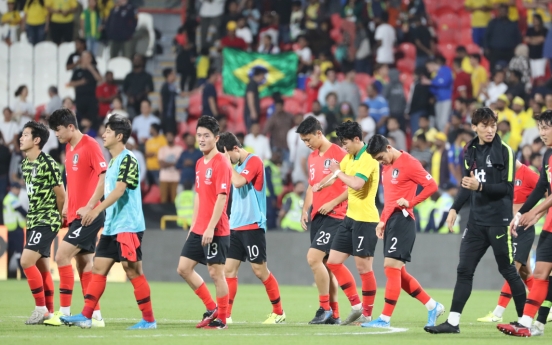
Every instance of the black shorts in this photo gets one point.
(356, 238)
(322, 232)
(399, 237)
(248, 245)
(523, 244)
(39, 239)
(108, 247)
(213, 253)
(544, 248)
(85, 237)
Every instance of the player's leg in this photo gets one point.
(236, 254)
(44, 267)
(142, 293)
(334, 297)
(544, 314)
(216, 253)
(66, 251)
(85, 263)
(364, 244)
(29, 261)
(411, 286)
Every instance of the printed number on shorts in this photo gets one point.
(515, 248)
(35, 238)
(324, 238)
(75, 233)
(361, 238)
(253, 251)
(212, 250)
(393, 247)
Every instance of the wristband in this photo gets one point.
(336, 173)
(516, 219)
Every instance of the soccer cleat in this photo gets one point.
(216, 324)
(443, 328)
(490, 318)
(362, 319)
(333, 321)
(353, 316)
(37, 318)
(229, 320)
(54, 320)
(208, 316)
(377, 323)
(77, 320)
(273, 318)
(321, 317)
(514, 329)
(142, 324)
(98, 323)
(433, 315)
(537, 329)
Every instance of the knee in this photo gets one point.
(61, 259)
(132, 273)
(26, 263)
(464, 272)
(539, 273)
(216, 275)
(363, 268)
(260, 271)
(184, 271)
(313, 260)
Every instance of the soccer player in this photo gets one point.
(209, 238)
(121, 240)
(328, 211)
(401, 176)
(489, 184)
(46, 197)
(525, 181)
(85, 168)
(248, 225)
(356, 235)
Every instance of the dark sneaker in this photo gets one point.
(322, 316)
(208, 316)
(443, 328)
(216, 324)
(333, 321)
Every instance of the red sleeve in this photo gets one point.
(423, 178)
(99, 89)
(531, 177)
(223, 172)
(253, 169)
(97, 160)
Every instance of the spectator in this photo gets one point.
(511, 7)
(131, 145)
(494, 89)
(394, 94)
(209, 96)
(299, 159)
(313, 85)
(258, 142)
(274, 187)
(202, 70)
(516, 88)
(479, 74)
(441, 87)
(295, 19)
(422, 40)
(154, 143)
(5, 157)
(330, 85)
(348, 91)
(243, 31)
(421, 150)
(304, 53)
(366, 122)
(85, 126)
(232, 12)
(267, 46)
(277, 127)
(11, 21)
(345, 113)
(505, 113)
(439, 162)
(424, 127)
(142, 123)
(53, 143)
(231, 40)
(23, 111)
(381, 73)
(210, 15)
(137, 84)
(55, 101)
(120, 27)
(187, 161)
(462, 53)
(252, 15)
(35, 20)
(84, 80)
(312, 15)
(462, 86)
(324, 63)
(331, 112)
(69, 104)
(501, 38)
(535, 38)
(385, 39)
(169, 176)
(394, 130)
(289, 217)
(167, 106)
(117, 108)
(186, 66)
(252, 111)
(61, 19)
(379, 108)
(9, 128)
(480, 17)
(319, 115)
(520, 62)
(90, 25)
(539, 8)
(74, 59)
(363, 62)
(106, 93)
(419, 100)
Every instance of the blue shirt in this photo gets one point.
(125, 215)
(378, 108)
(187, 173)
(441, 84)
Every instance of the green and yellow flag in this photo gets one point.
(238, 65)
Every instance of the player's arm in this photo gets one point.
(238, 180)
(254, 169)
(222, 180)
(506, 185)
(196, 211)
(57, 184)
(60, 197)
(306, 206)
(358, 180)
(463, 193)
(330, 205)
(424, 179)
(537, 194)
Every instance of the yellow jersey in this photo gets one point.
(63, 5)
(513, 13)
(35, 13)
(152, 146)
(479, 78)
(362, 203)
(479, 19)
(11, 18)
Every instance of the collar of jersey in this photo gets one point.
(357, 157)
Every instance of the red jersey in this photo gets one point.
(400, 180)
(319, 168)
(212, 178)
(462, 82)
(548, 171)
(105, 90)
(233, 42)
(83, 166)
(526, 180)
(254, 174)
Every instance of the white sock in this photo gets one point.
(41, 309)
(97, 315)
(539, 325)
(498, 311)
(431, 304)
(357, 306)
(65, 310)
(526, 321)
(385, 318)
(454, 318)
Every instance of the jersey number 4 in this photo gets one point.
(75, 233)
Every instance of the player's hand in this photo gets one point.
(326, 208)
(81, 212)
(304, 220)
(402, 202)
(451, 219)
(64, 210)
(89, 217)
(528, 219)
(380, 228)
(207, 236)
(334, 166)
(470, 182)
(316, 187)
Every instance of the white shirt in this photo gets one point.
(142, 124)
(52, 143)
(211, 8)
(245, 34)
(9, 130)
(305, 54)
(20, 107)
(23, 119)
(293, 139)
(325, 89)
(54, 104)
(368, 126)
(259, 144)
(494, 91)
(386, 34)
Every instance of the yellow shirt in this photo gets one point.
(35, 14)
(202, 67)
(479, 19)
(362, 203)
(479, 78)
(63, 5)
(12, 18)
(430, 134)
(543, 13)
(515, 128)
(152, 146)
(513, 13)
(466, 65)
(105, 9)
(323, 68)
(436, 166)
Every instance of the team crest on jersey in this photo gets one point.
(76, 158)
(209, 173)
(327, 163)
(34, 171)
(488, 161)
(395, 173)
(518, 183)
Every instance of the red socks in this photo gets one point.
(506, 293)
(346, 281)
(537, 295)
(232, 291)
(529, 282)
(34, 279)
(222, 303)
(203, 293)
(94, 292)
(273, 292)
(392, 289)
(66, 282)
(143, 298)
(48, 284)
(412, 287)
(335, 309)
(85, 278)
(369, 288)
(324, 301)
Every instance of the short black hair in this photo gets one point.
(516, 73)
(457, 61)
(534, 155)
(310, 125)
(348, 130)
(156, 126)
(476, 56)
(209, 123)
(544, 118)
(227, 141)
(120, 125)
(378, 143)
(461, 49)
(53, 90)
(166, 72)
(20, 89)
(421, 137)
(38, 130)
(364, 105)
(62, 117)
(146, 100)
(483, 115)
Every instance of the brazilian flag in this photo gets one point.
(281, 75)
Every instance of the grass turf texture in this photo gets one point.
(177, 310)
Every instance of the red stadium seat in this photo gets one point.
(192, 126)
(336, 35)
(409, 50)
(448, 21)
(473, 48)
(448, 51)
(406, 65)
(465, 21)
(464, 37)
(362, 80)
(153, 196)
(293, 107)
(432, 6)
(336, 20)
(182, 128)
(446, 35)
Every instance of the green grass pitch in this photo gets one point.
(177, 310)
